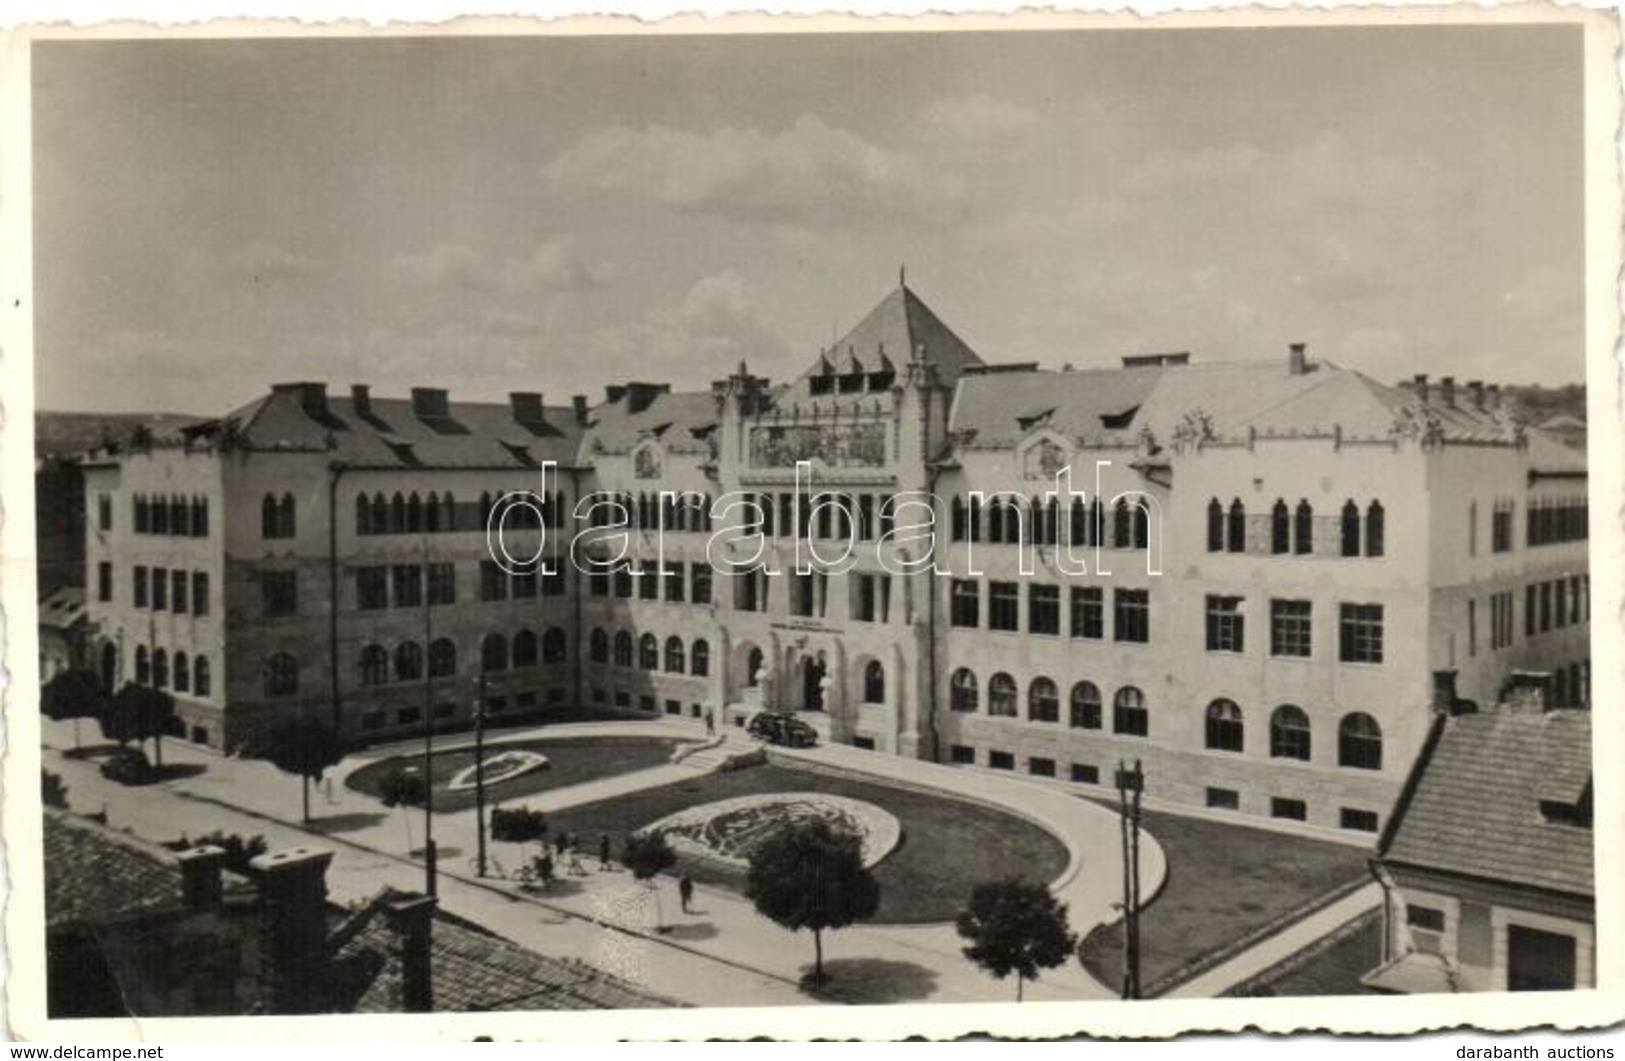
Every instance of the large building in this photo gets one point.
(1277, 572)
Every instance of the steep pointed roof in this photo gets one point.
(890, 334)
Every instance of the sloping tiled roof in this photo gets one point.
(887, 338)
(997, 406)
(473, 434)
(679, 420)
(1476, 809)
(93, 873)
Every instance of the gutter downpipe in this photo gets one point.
(934, 473)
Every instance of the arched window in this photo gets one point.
(380, 514)
(494, 653)
(414, 514)
(1043, 701)
(1373, 529)
(363, 514)
(1001, 696)
(1085, 711)
(957, 518)
(649, 652)
(1122, 525)
(408, 661)
(555, 647)
(1280, 528)
(143, 666)
(1303, 529)
(1224, 727)
(598, 646)
(1350, 524)
(397, 514)
(374, 665)
(524, 649)
(623, 649)
(1129, 714)
(448, 513)
(874, 683)
(1359, 742)
(281, 676)
(674, 655)
(160, 669)
(200, 676)
(1236, 529)
(1289, 733)
(1215, 526)
(109, 667)
(443, 658)
(431, 513)
(268, 526)
(753, 668)
(962, 691)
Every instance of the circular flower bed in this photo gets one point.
(728, 830)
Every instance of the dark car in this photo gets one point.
(785, 730)
(129, 766)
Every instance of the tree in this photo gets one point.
(75, 694)
(306, 746)
(518, 825)
(138, 713)
(648, 855)
(405, 788)
(52, 791)
(808, 875)
(1016, 926)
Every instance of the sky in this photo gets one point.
(494, 215)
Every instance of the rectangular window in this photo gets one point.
(408, 582)
(177, 592)
(746, 595)
(160, 589)
(1574, 598)
(699, 581)
(372, 588)
(1501, 527)
(598, 583)
(553, 581)
(1001, 760)
(1530, 610)
(1360, 633)
(493, 581)
(673, 577)
(801, 595)
(200, 593)
(139, 585)
(1501, 620)
(1545, 606)
(526, 585)
(962, 755)
(407, 716)
(1084, 774)
(104, 581)
(1291, 631)
(1043, 609)
(1224, 799)
(1293, 810)
(279, 592)
(1131, 615)
(648, 581)
(965, 607)
(1003, 606)
(104, 512)
(1041, 767)
(443, 582)
(1088, 612)
(1225, 625)
(623, 581)
(1426, 918)
(1360, 821)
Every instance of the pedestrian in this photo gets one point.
(603, 852)
(544, 866)
(685, 890)
(560, 843)
(710, 724)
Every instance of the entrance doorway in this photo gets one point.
(812, 689)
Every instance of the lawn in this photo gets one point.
(948, 845)
(1332, 966)
(572, 760)
(1225, 883)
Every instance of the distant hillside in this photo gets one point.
(59, 435)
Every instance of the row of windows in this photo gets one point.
(647, 583)
(832, 516)
(174, 515)
(159, 588)
(697, 661)
(277, 516)
(1131, 609)
(379, 666)
(1292, 530)
(686, 510)
(160, 670)
(1010, 520)
(1556, 603)
(1561, 519)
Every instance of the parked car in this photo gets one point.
(129, 766)
(786, 730)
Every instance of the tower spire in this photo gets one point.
(902, 275)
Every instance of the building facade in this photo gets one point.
(1257, 578)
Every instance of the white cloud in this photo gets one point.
(555, 266)
(979, 117)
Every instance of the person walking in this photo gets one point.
(685, 890)
(603, 852)
(710, 724)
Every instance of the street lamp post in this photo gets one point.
(430, 866)
(479, 775)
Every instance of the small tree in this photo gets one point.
(307, 747)
(405, 788)
(1016, 926)
(74, 694)
(648, 855)
(808, 875)
(518, 825)
(138, 713)
(52, 791)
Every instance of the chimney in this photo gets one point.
(1420, 384)
(527, 407)
(1475, 395)
(1444, 692)
(312, 397)
(642, 395)
(361, 399)
(411, 918)
(430, 403)
(293, 928)
(201, 887)
(579, 403)
(1297, 360)
(1492, 397)
(1447, 391)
